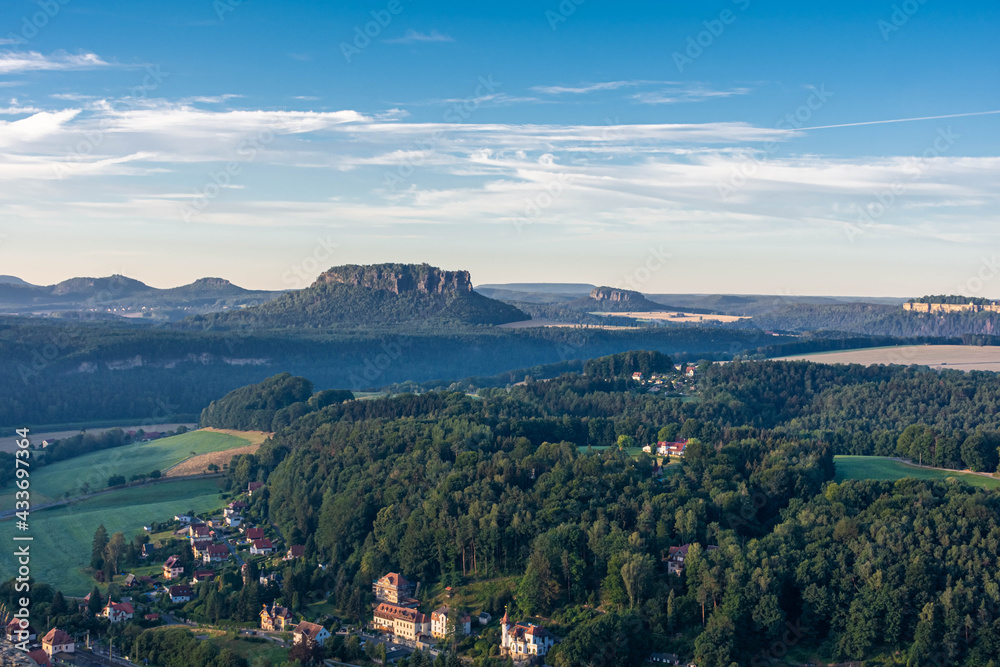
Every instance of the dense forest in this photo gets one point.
(529, 493)
(54, 372)
(527, 482)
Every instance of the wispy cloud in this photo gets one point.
(585, 88)
(413, 36)
(32, 61)
(681, 95)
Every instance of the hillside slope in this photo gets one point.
(378, 295)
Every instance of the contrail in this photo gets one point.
(900, 120)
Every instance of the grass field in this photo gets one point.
(63, 535)
(959, 357)
(877, 467)
(54, 481)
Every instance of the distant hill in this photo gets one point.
(104, 289)
(123, 296)
(359, 297)
(612, 299)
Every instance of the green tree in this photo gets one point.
(97, 548)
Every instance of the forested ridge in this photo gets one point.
(456, 488)
(55, 372)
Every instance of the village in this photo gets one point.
(205, 551)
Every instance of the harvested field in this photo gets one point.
(676, 316)
(959, 357)
(197, 465)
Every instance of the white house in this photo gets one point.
(524, 640)
(262, 546)
(116, 612)
(439, 623)
(310, 633)
(180, 594)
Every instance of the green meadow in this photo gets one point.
(878, 467)
(90, 472)
(62, 536)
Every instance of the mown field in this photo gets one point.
(63, 535)
(877, 467)
(91, 472)
(959, 357)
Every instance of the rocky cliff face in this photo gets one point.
(399, 278)
(616, 295)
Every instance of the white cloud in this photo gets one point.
(33, 61)
(413, 36)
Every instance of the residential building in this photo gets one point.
(234, 520)
(238, 505)
(295, 551)
(310, 633)
(180, 594)
(203, 575)
(255, 534)
(215, 553)
(404, 622)
(15, 634)
(172, 568)
(677, 555)
(56, 641)
(116, 612)
(485, 617)
(261, 547)
(665, 658)
(673, 449)
(40, 657)
(199, 534)
(254, 486)
(439, 623)
(524, 640)
(395, 589)
(182, 518)
(147, 550)
(275, 619)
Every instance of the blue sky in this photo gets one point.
(542, 141)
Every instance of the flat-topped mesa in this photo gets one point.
(616, 295)
(399, 278)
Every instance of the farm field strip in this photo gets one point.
(884, 468)
(959, 357)
(55, 481)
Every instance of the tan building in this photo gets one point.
(57, 641)
(403, 622)
(395, 589)
(275, 619)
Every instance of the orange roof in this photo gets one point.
(55, 636)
